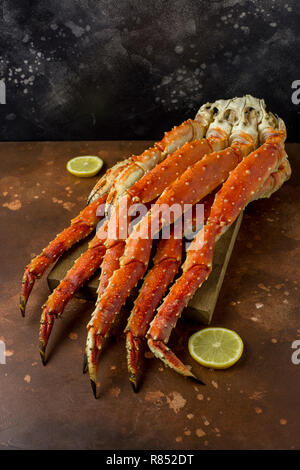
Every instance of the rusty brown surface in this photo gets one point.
(252, 405)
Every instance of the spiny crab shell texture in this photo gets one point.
(231, 154)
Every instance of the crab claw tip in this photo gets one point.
(134, 384)
(195, 379)
(42, 354)
(22, 307)
(94, 388)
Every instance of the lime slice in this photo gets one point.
(218, 348)
(85, 166)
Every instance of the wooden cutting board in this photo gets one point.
(201, 306)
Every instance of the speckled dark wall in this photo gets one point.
(129, 69)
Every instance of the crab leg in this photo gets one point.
(156, 181)
(166, 264)
(162, 175)
(113, 184)
(84, 266)
(188, 131)
(134, 169)
(193, 185)
(106, 183)
(80, 228)
(258, 175)
(145, 190)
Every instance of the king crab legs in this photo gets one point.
(191, 186)
(137, 166)
(155, 182)
(109, 188)
(258, 175)
(81, 226)
(166, 264)
(183, 168)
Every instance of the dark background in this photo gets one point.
(131, 69)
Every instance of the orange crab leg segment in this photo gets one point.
(193, 185)
(118, 179)
(166, 264)
(249, 180)
(191, 149)
(109, 264)
(80, 227)
(155, 182)
(201, 179)
(189, 130)
(99, 327)
(147, 189)
(82, 270)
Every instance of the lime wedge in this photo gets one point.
(218, 348)
(85, 166)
